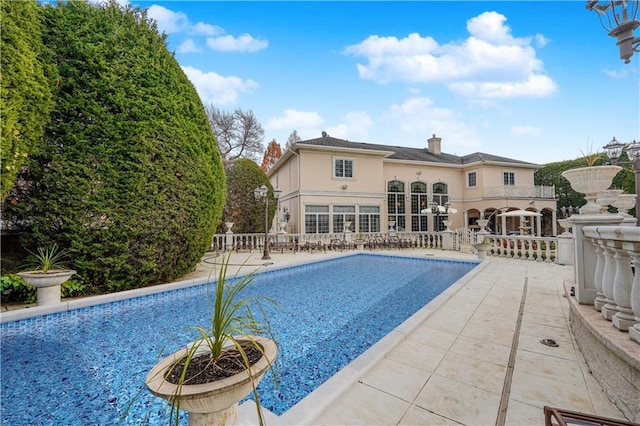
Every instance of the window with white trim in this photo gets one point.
(396, 205)
(472, 179)
(316, 219)
(369, 219)
(509, 178)
(342, 168)
(342, 214)
(419, 202)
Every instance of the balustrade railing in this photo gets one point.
(541, 249)
(617, 277)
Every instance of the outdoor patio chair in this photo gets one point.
(559, 417)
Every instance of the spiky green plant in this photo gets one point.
(233, 323)
(46, 259)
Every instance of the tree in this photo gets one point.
(129, 179)
(271, 155)
(293, 138)
(239, 134)
(26, 98)
(246, 213)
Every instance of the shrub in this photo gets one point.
(242, 208)
(129, 179)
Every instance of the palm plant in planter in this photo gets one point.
(48, 271)
(224, 364)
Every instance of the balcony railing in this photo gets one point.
(548, 192)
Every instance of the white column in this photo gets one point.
(585, 255)
(599, 301)
(624, 318)
(554, 223)
(609, 309)
(634, 331)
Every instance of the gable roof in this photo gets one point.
(413, 154)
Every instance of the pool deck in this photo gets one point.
(473, 356)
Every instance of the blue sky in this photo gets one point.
(538, 81)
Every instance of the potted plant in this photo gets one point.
(47, 272)
(482, 247)
(224, 364)
(591, 180)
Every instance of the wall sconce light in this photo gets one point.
(345, 186)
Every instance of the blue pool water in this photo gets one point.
(85, 367)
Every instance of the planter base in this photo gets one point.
(227, 416)
(49, 295)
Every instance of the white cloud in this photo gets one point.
(171, 22)
(216, 89)
(355, 127)
(244, 43)
(534, 86)
(419, 116)
(294, 120)
(188, 46)
(168, 21)
(206, 29)
(525, 130)
(490, 55)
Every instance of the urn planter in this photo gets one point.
(590, 181)
(213, 403)
(48, 283)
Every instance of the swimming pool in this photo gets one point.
(86, 366)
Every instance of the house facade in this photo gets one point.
(329, 184)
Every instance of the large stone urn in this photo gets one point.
(590, 181)
(48, 283)
(214, 403)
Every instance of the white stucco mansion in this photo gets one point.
(327, 182)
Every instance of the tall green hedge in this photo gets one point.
(130, 179)
(26, 84)
(246, 213)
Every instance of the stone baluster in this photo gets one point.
(599, 301)
(623, 319)
(609, 309)
(634, 296)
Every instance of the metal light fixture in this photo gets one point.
(618, 17)
(261, 193)
(614, 150)
(437, 209)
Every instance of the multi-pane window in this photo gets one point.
(316, 220)
(396, 206)
(419, 202)
(342, 214)
(472, 179)
(509, 178)
(369, 219)
(440, 197)
(343, 168)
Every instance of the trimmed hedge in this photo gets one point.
(129, 180)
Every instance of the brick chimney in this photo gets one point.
(434, 145)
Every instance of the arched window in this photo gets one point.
(419, 202)
(396, 206)
(441, 198)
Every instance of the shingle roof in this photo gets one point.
(413, 154)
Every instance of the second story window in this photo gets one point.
(343, 168)
(509, 178)
(472, 179)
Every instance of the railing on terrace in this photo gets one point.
(521, 191)
(616, 278)
(542, 249)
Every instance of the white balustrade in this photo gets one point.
(618, 248)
